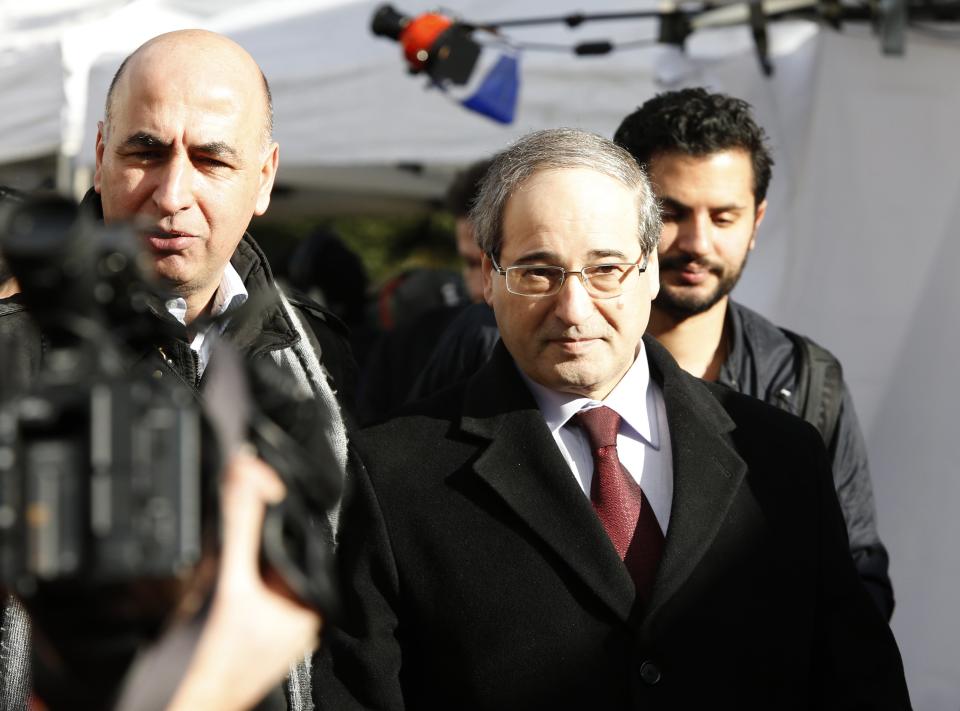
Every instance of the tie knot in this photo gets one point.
(601, 425)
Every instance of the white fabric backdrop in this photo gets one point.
(870, 272)
(859, 251)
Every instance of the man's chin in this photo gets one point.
(586, 378)
(169, 269)
(684, 303)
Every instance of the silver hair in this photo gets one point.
(553, 149)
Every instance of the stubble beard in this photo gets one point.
(683, 302)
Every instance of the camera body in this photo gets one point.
(100, 461)
(109, 461)
(100, 478)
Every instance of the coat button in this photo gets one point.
(157, 374)
(650, 673)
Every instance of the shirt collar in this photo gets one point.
(230, 295)
(636, 412)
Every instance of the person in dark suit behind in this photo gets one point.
(582, 524)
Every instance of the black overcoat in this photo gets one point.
(477, 576)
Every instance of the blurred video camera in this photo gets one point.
(108, 461)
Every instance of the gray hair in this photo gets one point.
(553, 149)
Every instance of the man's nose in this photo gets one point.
(574, 305)
(695, 235)
(174, 189)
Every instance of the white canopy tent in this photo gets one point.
(46, 51)
(856, 249)
(350, 120)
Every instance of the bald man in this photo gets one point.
(185, 153)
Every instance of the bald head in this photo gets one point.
(185, 153)
(193, 49)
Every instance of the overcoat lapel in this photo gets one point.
(523, 465)
(707, 473)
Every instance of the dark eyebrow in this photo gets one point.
(607, 253)
(678, 206)
(540, 257)
(674, 204)
(218, 149)
(144, 140)
(547, 257)
(214, 149)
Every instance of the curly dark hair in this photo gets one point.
(697, 123)
(465, 187)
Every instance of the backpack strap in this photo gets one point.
(819, 386)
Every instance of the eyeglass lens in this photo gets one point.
(599, 279)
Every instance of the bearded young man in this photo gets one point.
(710, 167)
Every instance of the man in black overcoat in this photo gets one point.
(582, 524)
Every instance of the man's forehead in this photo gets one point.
(165, 114)
(561, 189)
(571, 215)
(168, 77)
(677, 162)
(713, 177)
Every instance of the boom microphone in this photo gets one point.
(480, 79)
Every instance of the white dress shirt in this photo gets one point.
(231, 294)
(643, 443)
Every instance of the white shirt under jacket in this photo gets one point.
(643, 443)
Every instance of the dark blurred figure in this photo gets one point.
(460, 198)
(468, 342)
(413, 309)
(8, 284)
(416, 308)
(464, 347)
(325, 269)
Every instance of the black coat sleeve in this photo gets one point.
(860, 665)
(851, 476)
(359, 663)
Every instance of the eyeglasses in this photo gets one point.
(602, 281)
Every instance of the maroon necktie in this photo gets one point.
(619, 501)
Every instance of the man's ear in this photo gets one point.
(653, 274)
(101, 145)
(486, 267)
(758, 216)
(268, 172)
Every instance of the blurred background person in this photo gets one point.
(327, 271)
(461, 195)
(414, 321)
